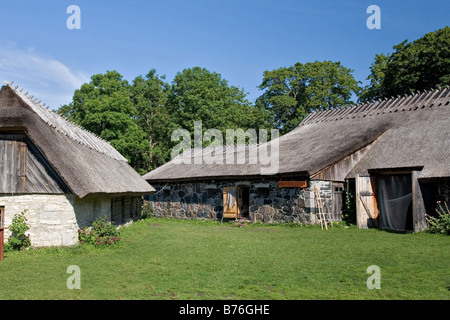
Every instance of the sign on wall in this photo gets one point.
(292, 184)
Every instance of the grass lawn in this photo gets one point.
(172, 259)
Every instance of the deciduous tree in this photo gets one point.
(419, 65)
(104, 107)
(292, 93)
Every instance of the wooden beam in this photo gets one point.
(418, 205)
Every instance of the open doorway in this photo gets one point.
(395, 202)
(244, 201)
(236, 202)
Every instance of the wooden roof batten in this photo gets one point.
(403, 103)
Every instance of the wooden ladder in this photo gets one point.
(319, 206)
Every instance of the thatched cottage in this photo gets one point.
(64, 176)
(393, 153)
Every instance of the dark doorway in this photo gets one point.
(395, 202)
(244, 201)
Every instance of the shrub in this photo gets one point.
(147, 210)
(102, 232)
(18, 240)
(441, 223)
(349, 206)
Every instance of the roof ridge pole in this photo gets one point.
(401, 101)
(442, 94)
(346, 112)
(384, 104)
(340, 111)
(414, 100)
(370, 105)
(432, 93)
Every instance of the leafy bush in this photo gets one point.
(147, 210)
(441, 223)
(349, 206)
(102, 232)
(18, 240)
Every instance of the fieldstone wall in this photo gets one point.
(54, 220)
(268, 202)
(295, 205)
(187, 200)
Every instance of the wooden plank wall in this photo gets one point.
(366, 203)
(23, 168)
(12, 163)
(339, 170)
(125, 208)
(41, 177)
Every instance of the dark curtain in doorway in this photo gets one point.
(395, 201)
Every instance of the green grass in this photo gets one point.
(172, 259)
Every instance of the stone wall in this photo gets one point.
(267, 202)
(187, 200)
(54, 220)
(287, 204)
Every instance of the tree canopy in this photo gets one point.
(292, 93)
(419, 65)
(200, 95)
(149, 95)
(138, 118)
(104, 107)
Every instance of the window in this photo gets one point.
(166, 191)
(263, 192)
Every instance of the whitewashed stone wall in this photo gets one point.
(54, 220)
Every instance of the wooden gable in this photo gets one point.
(24, 169)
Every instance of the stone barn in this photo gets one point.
(64, 176)
(392, 155)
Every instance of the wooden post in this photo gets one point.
(2, 232)
(361, 217)
(2, 242)
(418, 206)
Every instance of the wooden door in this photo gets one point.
(337, 200)
(366, 203)
(230, 202)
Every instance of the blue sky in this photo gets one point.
(239, 39)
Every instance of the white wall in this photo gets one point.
(54, 220)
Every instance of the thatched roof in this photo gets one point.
(86, 163)
(418, 137)
(409, 131)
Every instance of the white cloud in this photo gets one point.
(46, 78)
